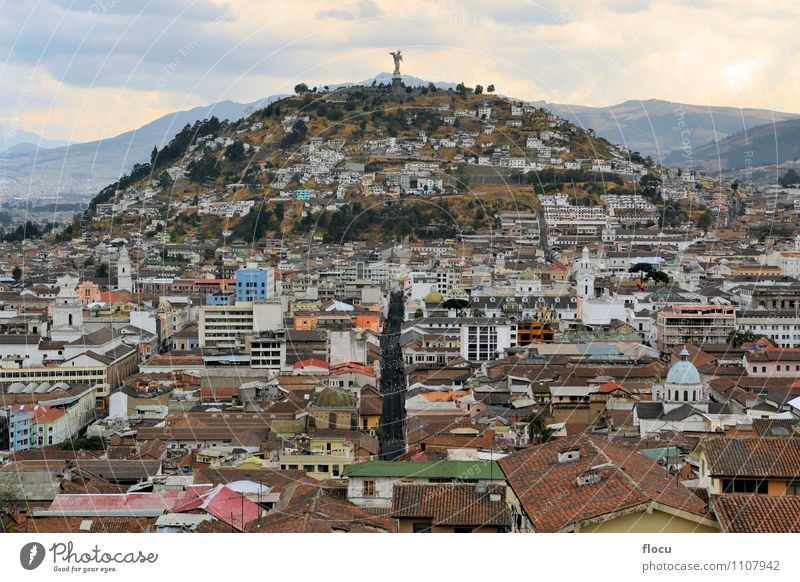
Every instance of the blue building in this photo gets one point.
(220, 299)
(253, 283)
(16, 429)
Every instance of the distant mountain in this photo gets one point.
(78, 171)
(657, 128)
(768, 144)
(11, 137)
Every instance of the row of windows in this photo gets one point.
(334, 470)
(786, 368)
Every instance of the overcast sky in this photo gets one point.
(86, 69)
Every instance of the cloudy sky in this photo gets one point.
(85, 69)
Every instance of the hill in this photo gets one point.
(658, 128)
(359, 164)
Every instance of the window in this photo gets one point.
(369, 488)
(744, 486)
(421, 527)
(793, 488)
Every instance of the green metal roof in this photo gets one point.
(660, 454)
(457, 470)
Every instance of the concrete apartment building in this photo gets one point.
(694, 324)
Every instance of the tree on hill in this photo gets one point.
(461, 89)
(235, 151)
(478, 89)
(432, 88)
(490, 88)
(790, 178)
(650, 186)
(301, 88)
(205, 168)
(704, 221)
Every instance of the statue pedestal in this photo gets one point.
(397, 86)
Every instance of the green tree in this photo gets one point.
(478, 89)
(540, 432)
(17, 273)
(102, 271)
(418, 313)
(490, 88)
(235, 151)
(301, 88)
(790, 178)
(704, 221)
(205, 168)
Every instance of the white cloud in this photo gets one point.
(95, 75)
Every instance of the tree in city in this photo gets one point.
(17, 273)
(736, 338)
(539, 431)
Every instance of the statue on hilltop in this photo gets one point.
(397, 56)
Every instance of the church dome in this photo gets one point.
(334, 398)
(683, 372)
(434, 297)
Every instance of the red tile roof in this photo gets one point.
(553, 500)
(449, 504)
(760, 456)
(758, 513)
(43, 414)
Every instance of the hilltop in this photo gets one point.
(357, 164)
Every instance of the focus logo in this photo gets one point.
(31, 555)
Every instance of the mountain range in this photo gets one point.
(78, 171)
(763, 145)
(664, 129)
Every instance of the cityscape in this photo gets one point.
(404, 305)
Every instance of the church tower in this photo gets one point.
(124, 279)
(67, 311)
(584, 276)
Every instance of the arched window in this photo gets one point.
(69, 319)
(694, 394)
(686, 396)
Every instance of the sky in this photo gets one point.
(80, 70)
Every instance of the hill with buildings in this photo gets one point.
(361, 163)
